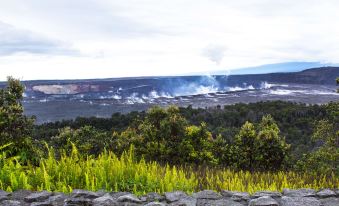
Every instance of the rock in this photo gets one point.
(42, 204)
(38, 196)
(78, 201)
(185, 201)
(129, 198)
(264, 201)
(10, 203)
(155, 204)
(84, 194)
(151, 197)
(207, 194)
(2, 198)
(326, 193)
(116, 195)
(106, 200)
(4, 193)
(300, 201)
(57, 199)
(299, 193)
(236, 196)
(266, 193)
(220, 202)
(330, 201)
(174, 196)
(19, 195)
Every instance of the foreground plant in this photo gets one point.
(111, 173)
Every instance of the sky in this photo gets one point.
(77, 39)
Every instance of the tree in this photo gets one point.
(162, 131)
(271, 148)
(244, 147)
(87, 139)
(197, 146)
(325, 159)
(261, 149)
(15, 127)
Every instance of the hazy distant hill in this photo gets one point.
(323, 75)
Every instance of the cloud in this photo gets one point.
(215, 53)
(14, 40)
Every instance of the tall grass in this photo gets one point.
(112, 173)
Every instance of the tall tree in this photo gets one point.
(15, 127)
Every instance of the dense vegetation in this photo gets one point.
(245, 147)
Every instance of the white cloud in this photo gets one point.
(151, 37)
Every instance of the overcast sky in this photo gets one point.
(73, 39)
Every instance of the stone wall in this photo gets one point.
(302, 197)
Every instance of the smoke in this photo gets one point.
(215, 53)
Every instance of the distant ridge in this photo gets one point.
(321, 75)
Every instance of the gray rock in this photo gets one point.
(299, 193)
(175, 196)
(207, 194)
(10, 203)
(266, 193)
(185, 201)
(220, 202)
(264, 201)
(300, 201)
(42, 204)
(106, 200)
(57, 199)
(4, 193)
(330, 201)
(116, 195)
(19, 195)
(155, 204)
(78, 201)
(236, 196)
(129, 198)
(152, 197)
(38, 196)
(84, 194)
(326, 193)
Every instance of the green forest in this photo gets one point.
(243, 147)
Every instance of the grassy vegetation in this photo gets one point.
(125, 173)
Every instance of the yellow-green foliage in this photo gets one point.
(111, 173)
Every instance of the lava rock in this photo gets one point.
(116, 195)
(185, 201)
(219, 202)
(207, 194)
(326, 193)
(264, 201)
(330, 201)
(78, 201)
(299, 193)
(236, 196)
(152, 197)
(155, 204)
(300, 201)
(84, 194)
(42, 204)
(38, 196)
(266, 193)
(129, 198)
(106, 200)
(175, 196)
(10, 203)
